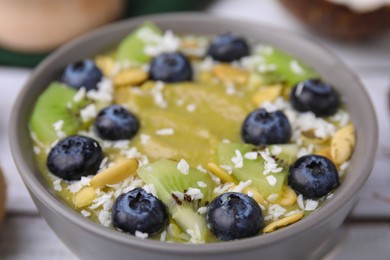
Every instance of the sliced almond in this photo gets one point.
(270, 94)
(131, 77)
(289, 197)
(342, 144)
(308, 137)
(283, 222)
(84, 197)
(106, 64)
(256, 196)
(120, 171)
(228, 74)
(325, 152)
(220, 173)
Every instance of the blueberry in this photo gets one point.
(262, 127)
(82, 73)
(316, 96)
(116, 123)
(74, 157)
(227, 48)
(138, 210)
(170, 67)
(313, 176)
(234, 215)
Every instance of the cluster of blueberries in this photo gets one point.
(230, 215)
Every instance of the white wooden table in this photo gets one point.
(366, 234)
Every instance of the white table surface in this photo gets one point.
(366, 235)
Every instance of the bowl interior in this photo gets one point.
(327, 65)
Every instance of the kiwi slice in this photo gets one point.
(55, 104)
(253, 169)
(167, 180)
(287, 68)
(132, 47)
(287, 155)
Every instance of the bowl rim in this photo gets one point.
(54, 204)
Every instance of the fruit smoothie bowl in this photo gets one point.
(184, 136)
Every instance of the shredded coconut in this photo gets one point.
(251, 155)
(85, 213)
(296, 67)
(227, 168)
(202, 184)
(194, 193)
(271, 180)
(163, 236)
(37, 150)
(57, 185)
(178, 194)
(241, 186)
(276, 150)
(191, 107)
(202, 210)
(165, 131)
(273, 197)
(195, 234)
(80, 95)
(300, 202)
(104, 93)
(144, 138)
(88, 113)
(270, 165)
(311, 205)
(157, 93)
(183, 167)
(105, 218)
(149, 188)
(275, 211)
(200, 168)
(141, 235)
(166, 44)
(238, 159)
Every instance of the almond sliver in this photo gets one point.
(120, 171)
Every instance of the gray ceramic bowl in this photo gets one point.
(300, 240)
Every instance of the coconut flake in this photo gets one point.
(202, 184)
(191, 107)
(165, 131)
(139, 234)
(85, 213)
(202, 210)
(88, 113)
(311, 205)
(80, 95)
(296, 67)
(271, 180)
(144, 138)
(238, 159)
(149, 188)
(251, 155)
(194, 193)
(241, 186)
(104, 93)
(200, 168)
(183, 167)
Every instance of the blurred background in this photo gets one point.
(358, 31)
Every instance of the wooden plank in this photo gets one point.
(29, 237)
